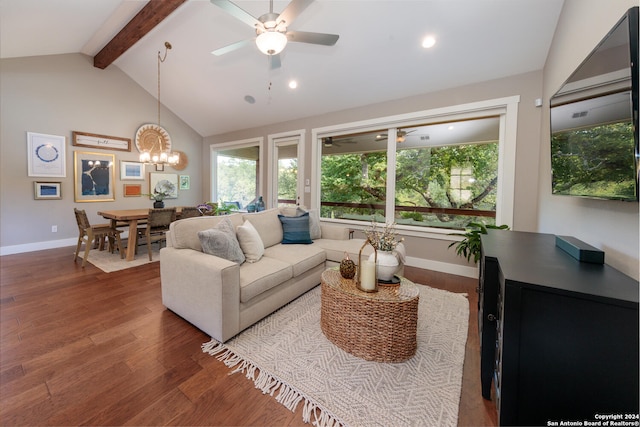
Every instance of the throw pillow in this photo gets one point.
(250, 242)
(295, 229)
(221, 241)
(314, 222)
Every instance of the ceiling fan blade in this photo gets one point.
(295, 8)
(274, 61)
(313, 38)
(232, 47)
(237, 12)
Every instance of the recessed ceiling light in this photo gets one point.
(250, 99)
(293, 84)
(428, 42)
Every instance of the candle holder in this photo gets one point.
(367, 275)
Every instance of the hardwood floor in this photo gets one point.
(79, 346)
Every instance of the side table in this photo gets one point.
(378, 326)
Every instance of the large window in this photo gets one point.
(438, 172)
(445, 174)
(235, 174)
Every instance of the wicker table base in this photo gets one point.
(378, 326)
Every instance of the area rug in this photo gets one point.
(288, 357)
(109, 262)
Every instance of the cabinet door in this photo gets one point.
(487, 314)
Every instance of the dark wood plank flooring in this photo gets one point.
(83, 347)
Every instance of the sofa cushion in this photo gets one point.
(295, 230)
(302, 258)
(267, 225)
(221, 241)
(250, 242)
(184, 232)
(259, 277)
(335, 249)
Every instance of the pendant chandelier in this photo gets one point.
(152, 140)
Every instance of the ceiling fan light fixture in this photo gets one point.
(271, 42)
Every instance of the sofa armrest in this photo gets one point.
(203, 289)
(334, 232)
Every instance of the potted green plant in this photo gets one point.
(470, 245)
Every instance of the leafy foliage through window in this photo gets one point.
(436, 185)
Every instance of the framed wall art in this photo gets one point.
(132, 190)
(47, 190)
(185, 182)
(131, 171)
(94, 177)
(164, 183)
(46, 155)
(104, 142)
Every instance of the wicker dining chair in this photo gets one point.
(96, 233)
(157, 226)
(189, 211)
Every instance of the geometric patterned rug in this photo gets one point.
(288, 357)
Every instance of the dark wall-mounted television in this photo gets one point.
(594, 121)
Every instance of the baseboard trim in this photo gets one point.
(443, 267)
(37, 246)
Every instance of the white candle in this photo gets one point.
(368, 275)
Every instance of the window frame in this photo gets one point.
(505, 108)
(214, 148)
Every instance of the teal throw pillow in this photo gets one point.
(295, 229)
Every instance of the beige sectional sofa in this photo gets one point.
(223, 297)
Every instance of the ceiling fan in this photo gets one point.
(330, 142)
(271, 29)
(401, 135)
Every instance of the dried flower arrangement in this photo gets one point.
(383, 238)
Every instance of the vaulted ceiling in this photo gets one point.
(377, 58)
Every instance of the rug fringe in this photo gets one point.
(268, 384)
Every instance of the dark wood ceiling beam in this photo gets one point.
(149, 16)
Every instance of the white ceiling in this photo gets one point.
(377, 58)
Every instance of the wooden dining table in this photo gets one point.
(132, 217)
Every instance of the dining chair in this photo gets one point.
(96, 233)
(157, 226)
(189, 212)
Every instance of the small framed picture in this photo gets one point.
(185, 182)
(132, 190)
(164, 183)
(47, 190)
(131, 171)
(159, 167)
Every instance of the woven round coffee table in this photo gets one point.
(378, 326)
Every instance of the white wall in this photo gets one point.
(56, 95)
(612, 226)
(433, 253)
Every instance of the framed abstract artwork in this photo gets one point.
(47, 190)
(132, 190)
(46, 155)
(94, 177)
(131, 171)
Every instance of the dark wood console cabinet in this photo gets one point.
(559, 337)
